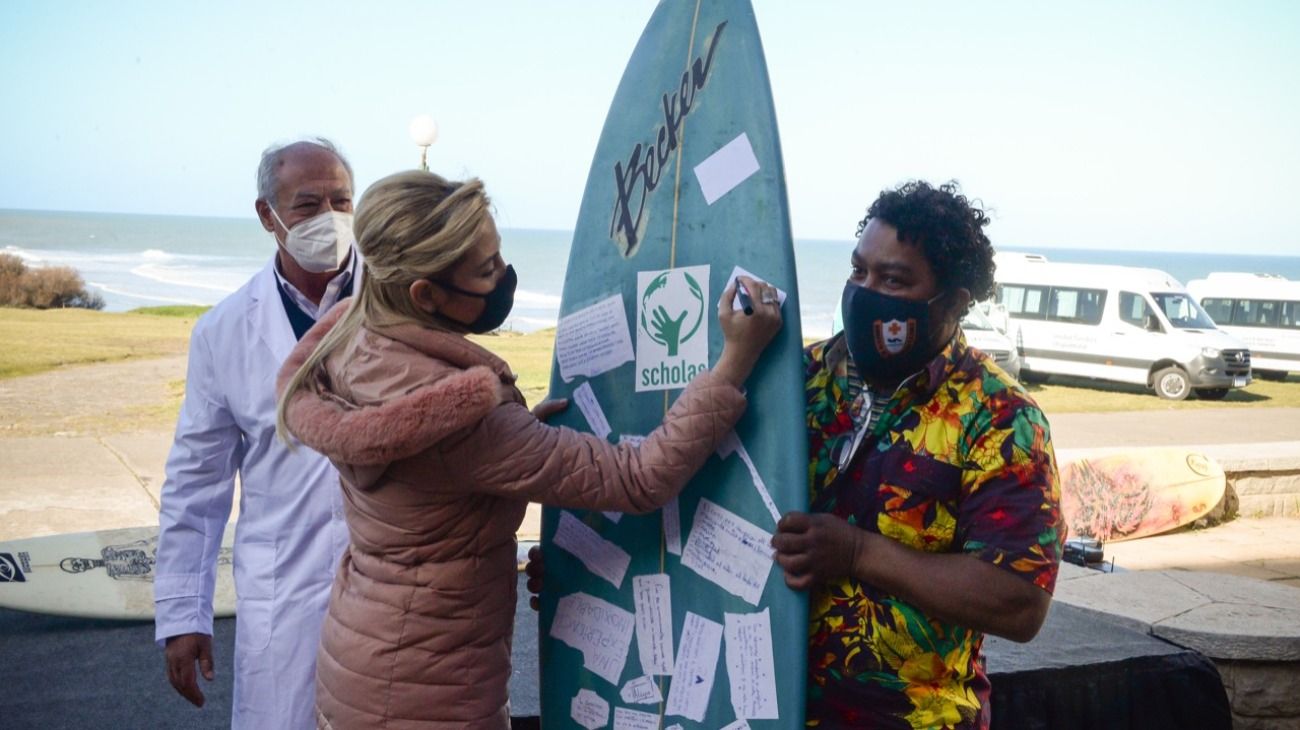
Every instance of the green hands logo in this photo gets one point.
(664, 304)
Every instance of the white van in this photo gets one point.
(1117, 323)
(1261, 310)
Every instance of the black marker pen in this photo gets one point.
(746, 303)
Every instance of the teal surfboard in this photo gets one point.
(679, 617)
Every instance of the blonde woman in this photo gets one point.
(439, 456)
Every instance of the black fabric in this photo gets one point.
(1174, 691)
(1084, 670)
(298, 319)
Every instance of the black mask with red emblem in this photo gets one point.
(888, 337)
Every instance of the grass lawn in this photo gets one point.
(1064, 394)
(529, 357)
(39, 340)
(35, 341)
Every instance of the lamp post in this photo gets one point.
(424, 132)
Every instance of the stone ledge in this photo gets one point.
(1221, 616)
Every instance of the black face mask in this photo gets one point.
(889, 338)
(497, 303)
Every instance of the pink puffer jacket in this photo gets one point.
(439, 458)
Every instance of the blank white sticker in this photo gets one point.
(723, 170)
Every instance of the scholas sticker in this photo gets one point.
(672, 334)
(9, 570)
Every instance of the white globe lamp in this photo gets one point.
(424, 132)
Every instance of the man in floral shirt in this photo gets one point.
(935, 504)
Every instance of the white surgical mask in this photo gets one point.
(320, 243)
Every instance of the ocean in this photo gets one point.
(144, 260)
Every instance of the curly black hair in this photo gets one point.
(948, 228)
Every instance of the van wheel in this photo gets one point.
(1272, 375)
(1172, 384)
(1211, 393)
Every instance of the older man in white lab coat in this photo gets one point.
(290, 533)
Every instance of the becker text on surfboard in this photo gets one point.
(645, 166)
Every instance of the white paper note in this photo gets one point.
(598, 629)
(625, 719)
(731, 445)
(593, 340)
(737, 725)
(672, 527)
(654, 622)
(602, 557)
(641, 691)
(735, 303)
(723, 170)
(675, 726)
(729, 550)
(589, 710)
(585, 397)
(750, 666)
(697, 661)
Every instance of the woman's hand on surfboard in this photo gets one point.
(549, 407)
(746, 335)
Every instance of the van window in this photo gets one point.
(1081, 306)
(1182, 311)
(1133, 308)
(1289, 315)
(1256, 313)
(1025, 302)
(1220, 310)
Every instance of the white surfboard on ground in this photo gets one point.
(106, 574)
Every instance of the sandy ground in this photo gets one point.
(119, 397)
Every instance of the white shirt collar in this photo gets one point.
(332, 290)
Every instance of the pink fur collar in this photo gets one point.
(404, 426)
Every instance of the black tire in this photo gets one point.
(1211, 393)
(1273, 375)
(1171, 383)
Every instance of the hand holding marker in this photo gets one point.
(745, 301)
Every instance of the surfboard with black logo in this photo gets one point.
(106, 574)
(679, 616)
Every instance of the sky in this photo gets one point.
(1170, 126)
